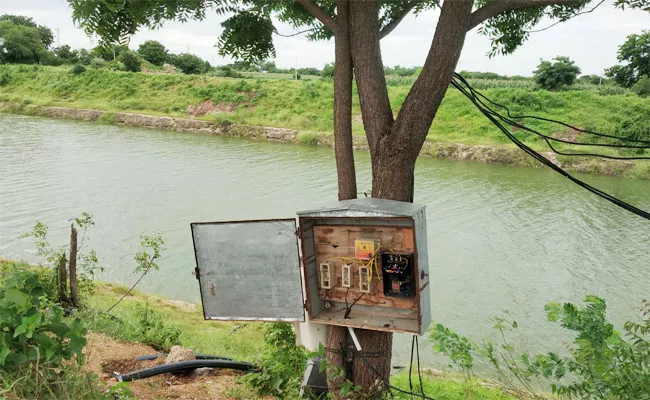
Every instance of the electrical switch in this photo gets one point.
(325, 276)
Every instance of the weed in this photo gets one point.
(310, 138)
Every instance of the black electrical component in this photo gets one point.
(397, 273)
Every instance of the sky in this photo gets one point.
(591, 39)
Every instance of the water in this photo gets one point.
(500, 238)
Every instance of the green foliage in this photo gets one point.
(20, 43)
(458, 348)
(247, 36)
(328, 71)
(601, 362)
(130, 60)
(44, 33)
(150, 328)
(282, 363)
(54, 256)
(189, 63)
(77, 69)
(553, 76)
(5, 78)
(152, 248)
(642, 87)
(32, 328)
(635, 53)
(65, 55)
(98, 62)
(154, 52)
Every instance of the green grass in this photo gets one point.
(307, 104)
(211, 337)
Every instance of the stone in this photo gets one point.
(178, 353)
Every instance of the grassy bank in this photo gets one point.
(218, 338)
(307, 105)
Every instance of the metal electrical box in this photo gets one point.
(364, 265)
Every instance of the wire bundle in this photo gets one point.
(484, 105)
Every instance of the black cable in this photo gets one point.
(183, 366)
(388, 385)
(348, 310)
(544, 160)
(621, 138)
(411, 366)
(417, 348)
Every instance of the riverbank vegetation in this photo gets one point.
(306, 105)
(144, 319)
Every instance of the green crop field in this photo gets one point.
(307, 104)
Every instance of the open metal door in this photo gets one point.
(249, 270)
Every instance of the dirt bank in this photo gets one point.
(504, 155)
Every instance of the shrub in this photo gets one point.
(602, 364)
(32, 328)
(77, 69)
(5, 78)
(282, 363)
(642, 87)
(553, 76)
(154, 52)
(130, 60)
(188, 63)
(151, 329)
(98, 62)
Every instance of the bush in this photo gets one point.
(151, 329)
(189, 63)
(98, 62)
(642, 87)
(602, 364)
(553, 76)
(130, 60)
(5, 78)
(77, 69)
(32, 328)
(282, 363)
(154, 52)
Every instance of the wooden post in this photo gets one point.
(63, 278)
(74, 296)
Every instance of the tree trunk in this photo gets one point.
(74, 296)
(343, 148)
(377, 121)
(395, 143)
(63, 279)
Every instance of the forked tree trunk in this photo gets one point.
(395, 143)
(74, 296)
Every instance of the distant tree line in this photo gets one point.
(22, 40)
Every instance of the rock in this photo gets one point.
(178, 353)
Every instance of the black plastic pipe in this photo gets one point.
(184, 366)
(197, 356)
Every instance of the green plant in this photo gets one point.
(154, 52)
(130, 60)
(635, 52)
(151, 329)
(5, 78)
(642, 87)
(553, 76)
(282, 363)
(309, 138)
(98, 62)
(32, 328)
(601, 363)
(77, 69)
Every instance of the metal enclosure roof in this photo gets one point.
(365, 207)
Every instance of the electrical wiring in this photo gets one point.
(464, 87)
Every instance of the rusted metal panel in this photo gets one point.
(249, 270)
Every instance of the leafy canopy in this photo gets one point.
(20, 44)
(154, 52)
(44, 32)
(635, 53)
(248, 31)
(553, 76)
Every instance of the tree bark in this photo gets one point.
(63, 278)
(74, 296)
(343, 148)
(377, 121)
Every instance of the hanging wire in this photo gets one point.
(473, 95)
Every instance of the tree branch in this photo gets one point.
(319, 14)
(497, 7)
(386, 30)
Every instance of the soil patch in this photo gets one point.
(106, 356)
(208, 107)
